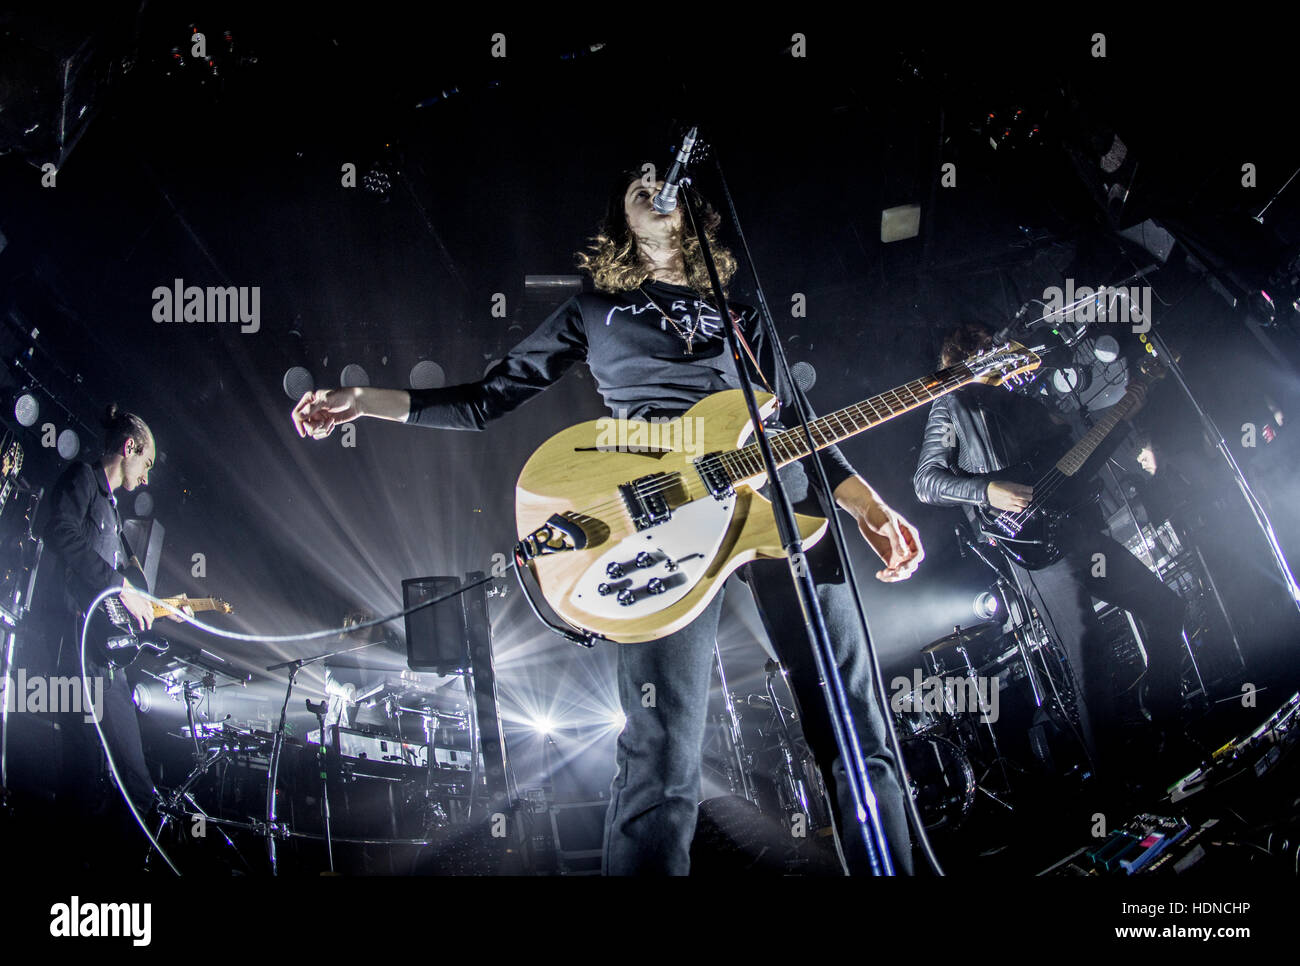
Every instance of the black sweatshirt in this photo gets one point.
(637, 358)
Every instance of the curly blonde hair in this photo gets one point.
(616, 264)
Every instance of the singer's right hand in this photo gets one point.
(1009, 496)
(319, 411)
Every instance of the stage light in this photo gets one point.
(543, 726)
(27, 409)
(69, 444)
(986, 606)
(618, 720)
(298, 382)
(143, 505)
(427, 375)
(142, 698)
(353, 375)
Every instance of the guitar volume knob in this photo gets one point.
(614, 570)
(604, 589)
(644, 560)
(626, 597)
(655, 586)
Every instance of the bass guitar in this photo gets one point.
(630, 528)
(1034, 537)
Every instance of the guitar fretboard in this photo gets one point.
(1073, 461)
(791, 444)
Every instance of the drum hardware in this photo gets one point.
(742, 779)
(794, 784)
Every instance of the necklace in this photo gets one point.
(687, 334)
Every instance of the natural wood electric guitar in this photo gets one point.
(631, 528)
(113, 629)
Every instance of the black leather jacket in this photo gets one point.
(974, 432)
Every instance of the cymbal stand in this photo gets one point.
(735, 740)
(797, 787)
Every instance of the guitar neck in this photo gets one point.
(194, 603)
(790, 445)
(1073, 461)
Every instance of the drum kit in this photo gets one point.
(994, 699)
(996, 702)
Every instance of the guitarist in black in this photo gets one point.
(89, 554)
(972, 435)
(655, 347)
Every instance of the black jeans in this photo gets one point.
(119, 719)
(1063, 595)
(664, 689)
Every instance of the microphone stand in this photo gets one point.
(866, 807)
(277, 746)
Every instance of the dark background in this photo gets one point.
(235, 179)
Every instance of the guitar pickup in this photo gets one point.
(646, 501)
(715, 476)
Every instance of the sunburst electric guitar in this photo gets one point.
(631, 528)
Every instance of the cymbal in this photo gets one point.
(964, 635)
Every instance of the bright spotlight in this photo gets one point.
(986, 606)
(543, 726)
(142, 698)
(617, 720)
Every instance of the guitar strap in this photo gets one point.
(740, 337)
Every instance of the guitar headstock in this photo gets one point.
(221, 606)
(1004, 364)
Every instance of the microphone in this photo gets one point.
(665, 202)
(1004, 333)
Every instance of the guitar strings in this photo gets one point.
(785, 439)
(1046, 489)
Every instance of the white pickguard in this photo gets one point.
(691, 539)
